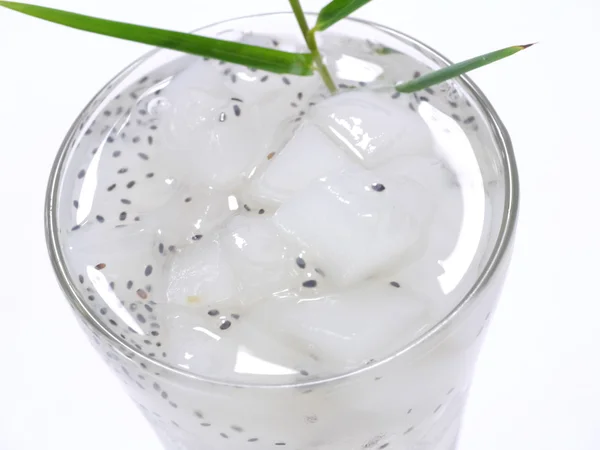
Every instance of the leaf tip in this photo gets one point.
(523, 47)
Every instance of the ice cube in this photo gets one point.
(356, 223)
(210, 134)
(350, 327)
(308, 155)
(223, 344)
(263, 262)
(372, 126)
(201, 276)
(191, 214)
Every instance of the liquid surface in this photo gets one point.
(247, 226)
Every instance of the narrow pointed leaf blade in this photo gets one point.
(457, 69)
(249, 55)
(336, 11)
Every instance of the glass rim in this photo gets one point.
(498, 254)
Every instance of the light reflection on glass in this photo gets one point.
(250, 364)
(457, 151)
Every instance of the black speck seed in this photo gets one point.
(237, 428)
(161, 248)
(205, 424)
(429, 91)
(111, 187)
(123, 216)
(453, 104)
(395, 284)
(233, 77)
(99, 218)
(237, 111)
(280, 443)
(412, 107)
(417, 74)
(122, 170)
(103, 311)
(409, 430)
(235, 316)
(247, 208)
(148, 271)
(294, 104)
(261, 211)
(91, 298)
(142, 112)
(136, 139)
(224, 436)
(381, 447)
(196, 237)
(172, 248)
(112, 322)
(304, 373)
(188, 199)
(125, 201)
(75, 204)
(301, 263)
(225, 325)
(173, 404)
(150, 138)
(253, 440)
(110, 139)
(156, 386)
(456, 117)
(265, 78)
(154, 333)
(81, 279)
(310, 283)
(129, 284)
(198, 414)
(88, 131)
(143, 156)
(378, 187)
(469, 120)
(437, 409)
(395, 95)
(149, 174)
(164, 395)
(319, 271)
(227, 71)
(116, 153)
(81, 174)
(213, 312)
(76, 227)
(423, 98)
(286, 80)
(130, 184)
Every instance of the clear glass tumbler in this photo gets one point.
(411, 400)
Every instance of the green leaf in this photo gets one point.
(457, 69)
(234, 52)
(336, 11)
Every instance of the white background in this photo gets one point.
(538, 381)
